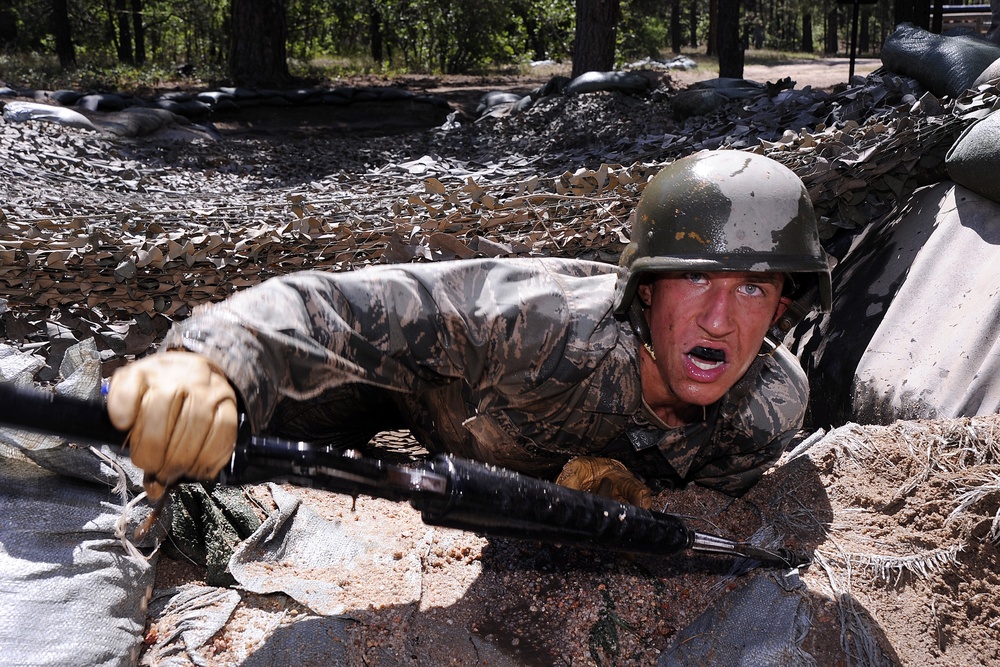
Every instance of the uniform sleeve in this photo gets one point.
(502, 328)
(299, 335)
(753, 434)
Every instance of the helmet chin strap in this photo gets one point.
(793, 314)
(639, 325)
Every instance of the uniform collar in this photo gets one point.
(679, 445)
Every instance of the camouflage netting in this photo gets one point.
(111, 238)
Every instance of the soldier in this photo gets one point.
(610, 379)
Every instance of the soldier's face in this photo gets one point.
(706, 330)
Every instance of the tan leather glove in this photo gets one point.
(605, 477)
(180, 412)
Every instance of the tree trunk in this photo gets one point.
(712, 47)
(832, 42)
(375, 32)
(865, 36)
(730, 40)
(123, 21)
(8, 25)
(63, 33)
(594, 42)
(693, 17)
(807, 33)
(257, 54)
(139, 32)
(676, 34)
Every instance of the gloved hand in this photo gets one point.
(605, 477)
(180, 412)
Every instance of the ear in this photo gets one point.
(645, 294)
(783, 305)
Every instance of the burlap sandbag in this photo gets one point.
(974, 159)
(945, 65)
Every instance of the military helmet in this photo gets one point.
(725, 210)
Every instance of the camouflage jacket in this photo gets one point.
(519, 363)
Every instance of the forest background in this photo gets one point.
(279, 42)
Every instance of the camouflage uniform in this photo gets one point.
(520, 363)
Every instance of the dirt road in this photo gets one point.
(818, 73)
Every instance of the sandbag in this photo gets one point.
(936, 353)
(186, 618)
(761, 624)
(865, 282)
(312, 560)
(70, 594)
(915, 323)
(496, 98)
(73, 586)
(945, 65)
(102, 102)
(20, 112)
(592, 82)
(704, 97)
(974, 159)
(696, 102)
(989, 74)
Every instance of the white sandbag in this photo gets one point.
(70, 592)
(19, 112)
(989, 74)
(73, 582)
(314, 561)
(936, 352)
(186, 617)
(973, 161)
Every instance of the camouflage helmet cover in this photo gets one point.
(724, 210)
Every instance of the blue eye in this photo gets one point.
(754, 290)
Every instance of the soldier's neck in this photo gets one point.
(661, 401)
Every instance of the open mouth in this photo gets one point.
(707, 358)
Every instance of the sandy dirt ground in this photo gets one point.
(819, 73)
(903, 572)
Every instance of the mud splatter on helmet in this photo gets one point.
(725, 211)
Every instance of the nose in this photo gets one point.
(716, 314)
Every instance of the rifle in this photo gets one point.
(447, 491)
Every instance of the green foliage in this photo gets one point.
(604, 636)
(332, 37)
(31, 69)
(644, 29)
(42, 71)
